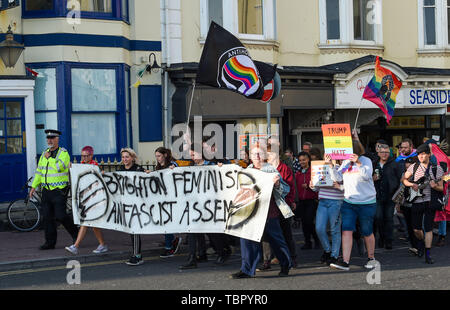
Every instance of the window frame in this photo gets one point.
(60, 10)
(231, 22)
(120, 112)
(441, 24)
(346, 27)
(64, 102)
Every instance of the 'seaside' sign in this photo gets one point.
(201, 199)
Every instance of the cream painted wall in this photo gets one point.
(298, 36)
(147, 152)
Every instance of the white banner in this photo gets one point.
(201, 199)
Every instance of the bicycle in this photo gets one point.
(25, 214)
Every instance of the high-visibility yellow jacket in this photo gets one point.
(53, 173)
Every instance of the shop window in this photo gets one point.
(94, 108)
(248, 19)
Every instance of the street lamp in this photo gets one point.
(10, 50)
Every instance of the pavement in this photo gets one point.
(20, 250)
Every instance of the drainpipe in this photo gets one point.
(167, 123)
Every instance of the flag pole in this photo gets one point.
(360, 102)
(190, 107)
(268, 118)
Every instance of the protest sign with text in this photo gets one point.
(320, 173)
(201, 199)
(337, 141)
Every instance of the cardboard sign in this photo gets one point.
(320, 174)
(337, 141)
(202, 199)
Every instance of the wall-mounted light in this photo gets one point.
(10, 50)
(152, 67)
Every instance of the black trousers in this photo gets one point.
(197, 242)
(307, 211)
(286, 228)
(220, 243)
(384, 220)
(407, 212)
(54, 209)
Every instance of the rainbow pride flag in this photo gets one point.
(383, 89)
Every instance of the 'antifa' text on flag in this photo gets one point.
(225, 63)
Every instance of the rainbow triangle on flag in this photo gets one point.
(383, 89)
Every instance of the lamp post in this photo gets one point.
(10, 50)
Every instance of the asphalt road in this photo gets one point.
(399, 271)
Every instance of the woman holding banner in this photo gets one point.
(87, 155)
(359, 204)
(251, 250)
(165, 160)
(129, 159)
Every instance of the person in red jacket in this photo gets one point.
(307, 205)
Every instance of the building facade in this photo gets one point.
(326, 51)
(82, 72)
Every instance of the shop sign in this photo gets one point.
(418, 97)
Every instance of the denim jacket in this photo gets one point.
(278, 193)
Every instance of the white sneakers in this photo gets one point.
(74, 250)
(101, 249)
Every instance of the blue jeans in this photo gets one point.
(168, 241)
(443, 228)
(329, 211)
(251, 250)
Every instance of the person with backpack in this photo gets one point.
(424, 207)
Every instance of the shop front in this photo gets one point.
(305, 94)
(419, 111)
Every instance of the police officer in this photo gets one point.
(52, 174)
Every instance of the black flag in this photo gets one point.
(225, 63)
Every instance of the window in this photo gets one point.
(350, 22)
(250, 16)
(215, 12)
(45, 105)
(434, 25)
(104, 6)
(98, 9)
(39, 5)
(94, 108)
(429, 15)
(332, 8)
(247, 19)
(363, 28)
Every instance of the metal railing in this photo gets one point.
(111, 166)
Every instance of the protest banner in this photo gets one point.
(201, 199)
(337, 141)
(320, 173)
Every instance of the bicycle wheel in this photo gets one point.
(24, 215)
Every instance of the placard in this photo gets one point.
(321, 174)
(337, 141)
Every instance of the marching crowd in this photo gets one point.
(369, 191)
